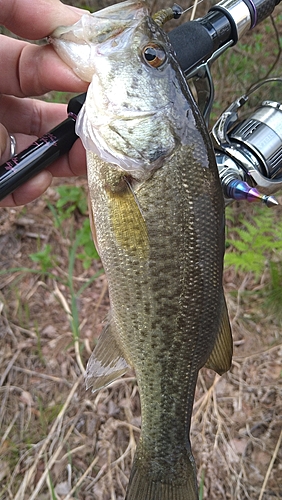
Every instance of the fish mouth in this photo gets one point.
(99, 34)
(100, 26)
(122, 11)
(127, 116)
(113, 112)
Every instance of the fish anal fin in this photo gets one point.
(220, 359)
(107, 362)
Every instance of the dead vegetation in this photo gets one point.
(58, 441)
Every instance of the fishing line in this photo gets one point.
(193, 7)
(164, 15)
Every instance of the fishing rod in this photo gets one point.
(223, 25)
(248, 153)
(243, 164)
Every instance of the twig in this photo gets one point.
(81, 479)
(110, 483)
(257, 354)
(7, 432)
(72, 451)
(270, 466)
(205, 398)
(29, 473)
(50, 463)
(2, 380)
(41, 375)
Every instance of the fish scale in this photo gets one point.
(157, 216)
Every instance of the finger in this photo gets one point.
(22, 142)
(28, 191)
(5, 144)
(28, 69)
(30, 116)
(34, 20)
(36, 126)
(71, 164)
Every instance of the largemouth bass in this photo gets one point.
(158, 223)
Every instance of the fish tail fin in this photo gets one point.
(142, 487)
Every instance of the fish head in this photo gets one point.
(135, 113)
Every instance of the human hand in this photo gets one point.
(32, 70)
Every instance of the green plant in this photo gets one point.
(44, 258)
(253, 244)
(72, 309)
(71, 198)
(58, 96)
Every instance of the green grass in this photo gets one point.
(202, 486)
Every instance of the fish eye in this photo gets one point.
(154, 55)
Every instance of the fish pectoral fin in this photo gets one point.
(129, 226)
(107, 362)
(221, 356)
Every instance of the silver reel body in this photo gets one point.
(250, 151)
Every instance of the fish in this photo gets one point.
(157, 218)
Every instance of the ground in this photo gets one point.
(59, 441)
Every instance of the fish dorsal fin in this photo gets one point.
(107, 362)
(221, 356)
